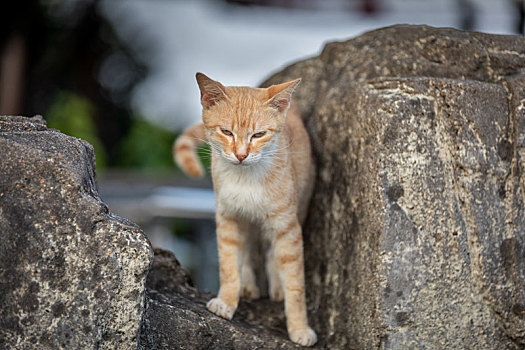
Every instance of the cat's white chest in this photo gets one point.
(242, 195)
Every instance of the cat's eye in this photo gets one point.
(226, 132)
(259, 134)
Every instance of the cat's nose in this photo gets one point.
(241, 156)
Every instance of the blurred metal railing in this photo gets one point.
(166, 202)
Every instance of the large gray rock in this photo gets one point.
(72, 275)
(416, 231)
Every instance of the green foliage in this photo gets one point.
(146, 146)
(149, 147)
(73, 115)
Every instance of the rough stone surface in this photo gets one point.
(416, 232)
(72, 275)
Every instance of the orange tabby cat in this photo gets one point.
(263, 175)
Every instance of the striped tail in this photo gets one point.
(184, 150)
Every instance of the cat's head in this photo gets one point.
(243, 123)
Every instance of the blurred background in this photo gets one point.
(120, 75)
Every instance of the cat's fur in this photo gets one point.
(263, 175)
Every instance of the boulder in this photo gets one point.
(72, 275)
(416, 231)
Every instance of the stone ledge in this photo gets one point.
(175, 312)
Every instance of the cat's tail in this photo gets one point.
(185, 150)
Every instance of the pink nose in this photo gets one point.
(241, 157)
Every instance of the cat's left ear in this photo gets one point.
(279, 96)
(212, 92)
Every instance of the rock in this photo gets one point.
(72, 275)
(416, 231)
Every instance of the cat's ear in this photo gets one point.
(279, 96)
(212, 91)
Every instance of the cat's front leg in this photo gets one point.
(274, 280)
(287, 245)
(249, 289)
(229, 242)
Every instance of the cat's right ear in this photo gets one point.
(281, 95)
(212, 91)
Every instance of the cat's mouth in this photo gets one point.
(247, 162)
(236, 162)
(244, 163)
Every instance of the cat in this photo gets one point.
(263, 174)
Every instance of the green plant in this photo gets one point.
(73, 115)
(146, 146)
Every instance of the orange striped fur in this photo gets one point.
(184, 151)
(263, 175)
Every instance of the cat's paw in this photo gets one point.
(303, 336)
(250, 292)
(220, 308)
(276, 293)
